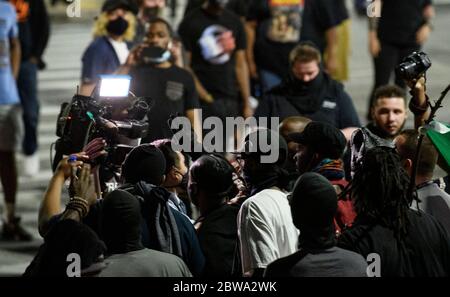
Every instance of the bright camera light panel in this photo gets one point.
(114, 85)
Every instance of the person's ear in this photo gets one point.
(407, 165)
(163, 179)
(372, 112)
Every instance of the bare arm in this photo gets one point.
(331, 50)
(250, 29)
(51, 204)
(202, 92)
(194, 118)
(374, 42)
(242, 76)
(428, 12)
(419, 100)
(424, 31)
(87, 89)
(15, 56)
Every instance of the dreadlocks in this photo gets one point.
(380, 190)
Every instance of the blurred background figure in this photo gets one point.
(34, 31)
(113, 28)
(402, 28)
(10, 121)
(147, 10)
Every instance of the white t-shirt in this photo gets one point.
(121, 49)
(265, 229)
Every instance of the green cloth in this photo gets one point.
(442, 143)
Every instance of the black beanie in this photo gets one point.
(313, 207)
(144, 163)
(121, 222)
(313, 202)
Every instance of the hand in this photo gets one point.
(95, 148)
(207, 98)
(331, 65)
(134, 55)
(176, 52)
(418, 87)
(83, 185)
(247, 111)
(253, 69)
(65, 167)
(374, 46)
(34, 60)
(422, 34)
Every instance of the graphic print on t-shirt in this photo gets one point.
(286, 21)
(174, 90)
(217, 44)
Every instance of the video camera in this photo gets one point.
(413, 66)
(112, 113)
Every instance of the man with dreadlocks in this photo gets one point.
(410, 243)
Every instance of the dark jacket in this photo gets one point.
(424, 252)
(332, 104)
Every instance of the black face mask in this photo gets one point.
(306, 97)
(155, 55)
(118, 26)
(184, 182)
(150, 12)
(218, 3)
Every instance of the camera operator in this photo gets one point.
(163, 228)
(155, 75)
(403, 28)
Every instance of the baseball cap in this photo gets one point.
(110, 5)
(323, 138)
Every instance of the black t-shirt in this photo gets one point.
(239, 7)
(282, 24)
(173, 91)
(341, 11)
(425, 251)
(400, 20)
(211, 62)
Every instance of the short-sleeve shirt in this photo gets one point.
(173, 92)
(8, 30)
(203, 35)
(282, 24)
(400, 20)
(265, 229)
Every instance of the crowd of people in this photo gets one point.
(337, 193)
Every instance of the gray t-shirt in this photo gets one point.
(436, 203)
(332, 262)
(145, 263)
